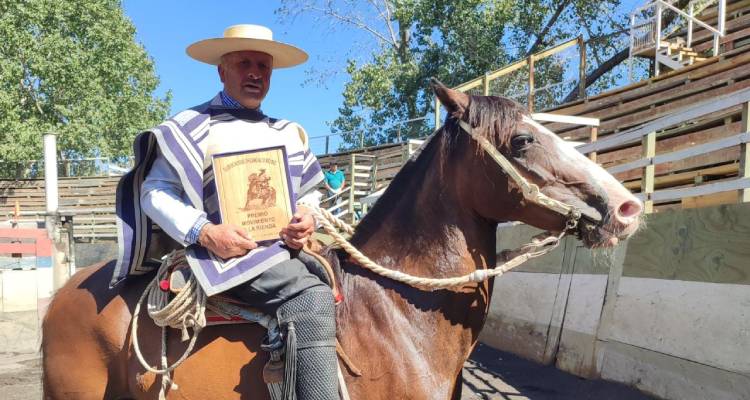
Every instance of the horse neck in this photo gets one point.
(427, 231)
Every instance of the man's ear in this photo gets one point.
(455, 102)
(221, 72)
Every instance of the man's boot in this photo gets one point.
(310, 322)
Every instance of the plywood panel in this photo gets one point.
(704, 245)
(710, 200)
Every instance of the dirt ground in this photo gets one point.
(489, 374)
(20, 376)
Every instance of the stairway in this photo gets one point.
(670, 46)
(676, 55)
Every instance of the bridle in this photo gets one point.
(530, 191)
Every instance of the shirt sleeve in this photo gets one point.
(163, 200)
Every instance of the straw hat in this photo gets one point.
(247, 37)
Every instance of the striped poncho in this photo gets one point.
(187, 141)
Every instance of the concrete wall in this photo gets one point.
(23, 298)
(668, 311)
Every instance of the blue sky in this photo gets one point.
(167, 27)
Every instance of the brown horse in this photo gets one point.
(437, 219)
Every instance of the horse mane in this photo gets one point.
(495, 117)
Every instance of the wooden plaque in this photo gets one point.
(254, 189)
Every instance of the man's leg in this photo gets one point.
(295, 295)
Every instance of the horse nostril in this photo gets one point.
(629, 209)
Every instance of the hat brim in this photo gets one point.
(210, 50)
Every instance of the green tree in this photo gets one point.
(455, 41)
(73, 68)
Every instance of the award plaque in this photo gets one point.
(254, 191)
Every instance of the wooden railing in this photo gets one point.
(367, 174)
(648, 134)
(485, 80)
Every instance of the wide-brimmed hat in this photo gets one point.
(247, 37)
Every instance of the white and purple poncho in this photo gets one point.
(187, 141)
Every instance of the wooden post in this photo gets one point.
(594, 134)
(437, 113)
(327, 140)
(531, 83)
(582, 70)
(648, 143)
(486, 84)
(352, 180)
(744, 195)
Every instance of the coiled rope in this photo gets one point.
(186, 310)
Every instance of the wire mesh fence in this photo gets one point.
(395, 132)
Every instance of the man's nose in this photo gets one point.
(254, 73)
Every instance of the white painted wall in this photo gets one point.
(20, 290)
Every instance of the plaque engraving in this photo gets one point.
(254, 191)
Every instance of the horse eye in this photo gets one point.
(520, 142)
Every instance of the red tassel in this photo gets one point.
(164, 285)
(338, 298)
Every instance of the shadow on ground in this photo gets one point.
(496, 375)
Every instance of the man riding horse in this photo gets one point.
(175, 190)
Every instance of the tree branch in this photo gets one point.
(602, 69)
(550, 23)
(356, 22)
(388, 21)
(616, 59)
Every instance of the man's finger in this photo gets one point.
(294, 243)
(298, 243)
(302, 225)
(243, 233)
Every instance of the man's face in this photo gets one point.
(246, 76)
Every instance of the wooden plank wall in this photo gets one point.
(90, 199)
(645, 101)
(390, 157)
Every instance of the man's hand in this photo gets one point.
(225, 240)
(298, 232)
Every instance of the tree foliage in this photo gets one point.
(454, 41)
(74, 68)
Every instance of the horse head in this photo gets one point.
(609, 212)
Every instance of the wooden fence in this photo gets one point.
(484, 81)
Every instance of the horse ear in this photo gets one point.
(455, 102)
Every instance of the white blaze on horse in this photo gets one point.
(437, 219)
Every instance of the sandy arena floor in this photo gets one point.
(489, 374)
